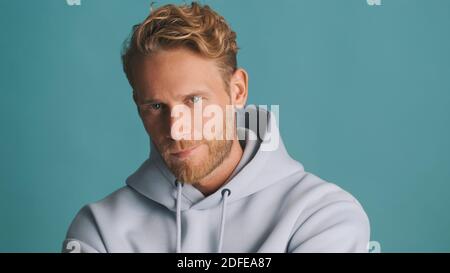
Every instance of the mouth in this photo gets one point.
(185, 153)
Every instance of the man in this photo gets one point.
(213, 182)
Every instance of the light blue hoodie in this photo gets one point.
(269, 204)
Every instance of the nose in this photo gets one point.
(179, 122)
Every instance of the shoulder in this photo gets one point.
(87, 228)
(327, 214)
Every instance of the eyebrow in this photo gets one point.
(194, 92)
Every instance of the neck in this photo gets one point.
(213, 181)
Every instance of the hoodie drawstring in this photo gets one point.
(225, 194)
(180, 189)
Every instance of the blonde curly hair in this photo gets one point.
(196, 27)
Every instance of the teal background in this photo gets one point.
(364, 95)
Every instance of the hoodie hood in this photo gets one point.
(155, 181)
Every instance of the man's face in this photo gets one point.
(180, 79)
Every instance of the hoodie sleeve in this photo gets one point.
(84, 235)
(341, 226)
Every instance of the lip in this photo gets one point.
(185, 153)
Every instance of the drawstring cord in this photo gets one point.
(225, 195)
(180, 189)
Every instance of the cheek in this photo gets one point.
(148, 127)
(212, 118)
(154, 129)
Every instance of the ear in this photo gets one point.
(239, 88)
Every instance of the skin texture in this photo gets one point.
(168, 79)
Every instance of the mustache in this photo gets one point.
(179, 145)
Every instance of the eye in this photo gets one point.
(195, 99)
(155, 106)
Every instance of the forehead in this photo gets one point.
(175, 70)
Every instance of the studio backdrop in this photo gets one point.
(363, 89)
